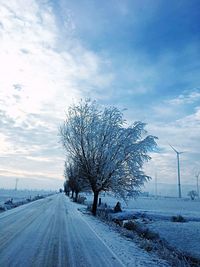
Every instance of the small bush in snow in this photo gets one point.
(148, 234)
(104, 213)
(89, 207)
(147, 245)
(118, 222)
(118, 208)
(81, 200)
(178, 218)
(130, 225)
(2, 208)
(142, 231)
(9, 202)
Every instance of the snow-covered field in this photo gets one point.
(20, 195)
(184, 236)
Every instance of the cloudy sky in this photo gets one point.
(140, 55)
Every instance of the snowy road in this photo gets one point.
(51, 232)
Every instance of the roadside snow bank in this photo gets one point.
(15, 199)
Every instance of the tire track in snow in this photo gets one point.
(11, 231)
(114, 255)
(51, 234)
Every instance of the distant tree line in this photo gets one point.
(103, 153)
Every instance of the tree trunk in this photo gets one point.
(95, 201)
(76, 196)
(72, 194)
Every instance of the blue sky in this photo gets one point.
(140, 55)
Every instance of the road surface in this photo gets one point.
(48, 233)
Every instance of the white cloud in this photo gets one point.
(39, 78)
(5, 146)
(183, 134)
(187, 98)
(44, 73)
(44, 68)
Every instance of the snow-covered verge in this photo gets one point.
(156, 215)
(128, 252)
(183, 236)
(13, 198)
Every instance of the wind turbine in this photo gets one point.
(197, 176)
(178, 170)
(156, 185)
(16, 182)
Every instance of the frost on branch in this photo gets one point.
(109, 155)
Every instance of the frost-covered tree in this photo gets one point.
(74, 179)
(109, 153)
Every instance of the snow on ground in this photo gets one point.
(128, 251)
(57, 211)
(20, 195)
(52, 232)
(182, 236)
(164, 205)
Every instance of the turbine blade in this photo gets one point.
(174, 149)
